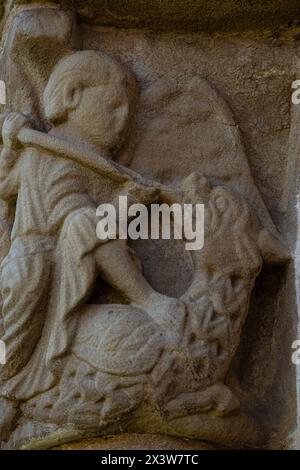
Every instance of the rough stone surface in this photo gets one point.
(188, 15)
(136, 442)
(197, 345)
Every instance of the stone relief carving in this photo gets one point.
(148, 361)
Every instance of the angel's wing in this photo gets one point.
(187, 126)
(183, 126)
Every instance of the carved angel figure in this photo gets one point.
(89, 366)
(88, 100)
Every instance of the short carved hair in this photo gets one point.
(87, 69)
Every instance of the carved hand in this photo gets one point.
(13, 123)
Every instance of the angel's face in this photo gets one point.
(103, 112)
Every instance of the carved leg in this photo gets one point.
(119, 268)
(24, 282)
(121, 271)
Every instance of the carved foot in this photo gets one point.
(217, 399)
(169, 313)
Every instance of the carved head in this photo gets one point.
(231, 258)
(94, 95)
(234, 234)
